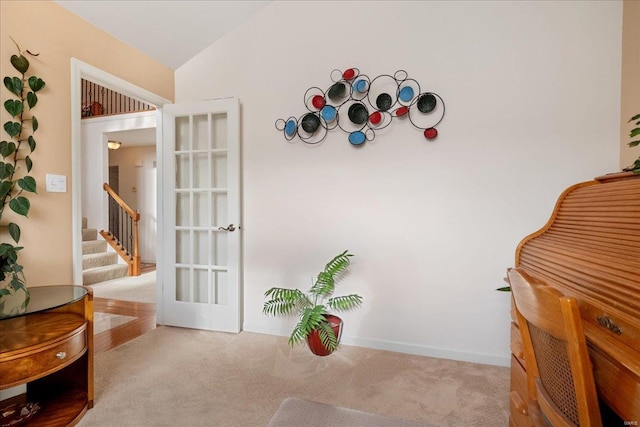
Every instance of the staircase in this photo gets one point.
(98, 265)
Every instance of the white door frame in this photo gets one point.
(81, 70)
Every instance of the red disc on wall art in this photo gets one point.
(349, 74)
(318, 102)
(401, 111)
(375, 118)
(430, 133)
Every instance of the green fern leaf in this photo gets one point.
(327, 336)
(345, 303)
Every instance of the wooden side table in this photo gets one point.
(49, 347)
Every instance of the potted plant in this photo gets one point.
(635, 132)
(15, 166)
(316, 325)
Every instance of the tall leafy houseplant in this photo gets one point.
(635, 133)
(16, 164)
(312, 307)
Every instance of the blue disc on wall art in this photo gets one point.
(328, 113)
(360, 86)
(290, 128)
(406, 94)
(356, 138)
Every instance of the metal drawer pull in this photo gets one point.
(61, 355)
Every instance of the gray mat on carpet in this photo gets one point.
(297, 412)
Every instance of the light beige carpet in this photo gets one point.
(182, 377)
(298, 412)
(137, 288)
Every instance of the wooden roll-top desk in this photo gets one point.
(590, 249)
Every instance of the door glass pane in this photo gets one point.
(201, 247)
(221, 287)
(183, 293)
(182, 133)
(200, 285)
(200, 133)
(219, 248)
(201, 171)
(201, 212)
(219, 209)
(219, 173)
(219, 130)
(182, 171)
(182, 209)
(183, 254)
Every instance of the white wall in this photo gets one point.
(532, 91)
(95, 172)
(137, 187)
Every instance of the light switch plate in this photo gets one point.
(56, 183)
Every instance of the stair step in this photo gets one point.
(93, 246)
(102, 274)
(89, 234)
(99, 259)
(84, 222)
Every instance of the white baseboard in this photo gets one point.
(400, 347)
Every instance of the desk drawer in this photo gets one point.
(518, 395)
(45, 359)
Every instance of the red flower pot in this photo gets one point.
(314, 342)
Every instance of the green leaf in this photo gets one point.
(7, 148)
(310, 319)
(16, 283)
(5, 248)
(634, 132)
(29, 163)
(12, 128)
(634, 143)
(32, 99)
(6, 170)
(34, 123)
(27, 183)
(32, 143)
(20, 63)
(13, 106)
(504, 289)
(345, 303)
(20, 205)
(36, 83)
(13, 84)
(636, 117)
(5, 187)
(14, 231)
(4, 291)
(284, 301)
(328, 336)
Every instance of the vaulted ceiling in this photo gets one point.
(169, 31)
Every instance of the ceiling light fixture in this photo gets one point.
(114, 145)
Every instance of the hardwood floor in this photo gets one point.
(145, 321)
(144, 313)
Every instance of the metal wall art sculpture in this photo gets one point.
(360, 106)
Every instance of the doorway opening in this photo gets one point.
(98, 167)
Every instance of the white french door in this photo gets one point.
(201, 215)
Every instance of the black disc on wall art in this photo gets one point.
(310, 122)
(358, 113)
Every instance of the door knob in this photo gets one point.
(230, 227)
